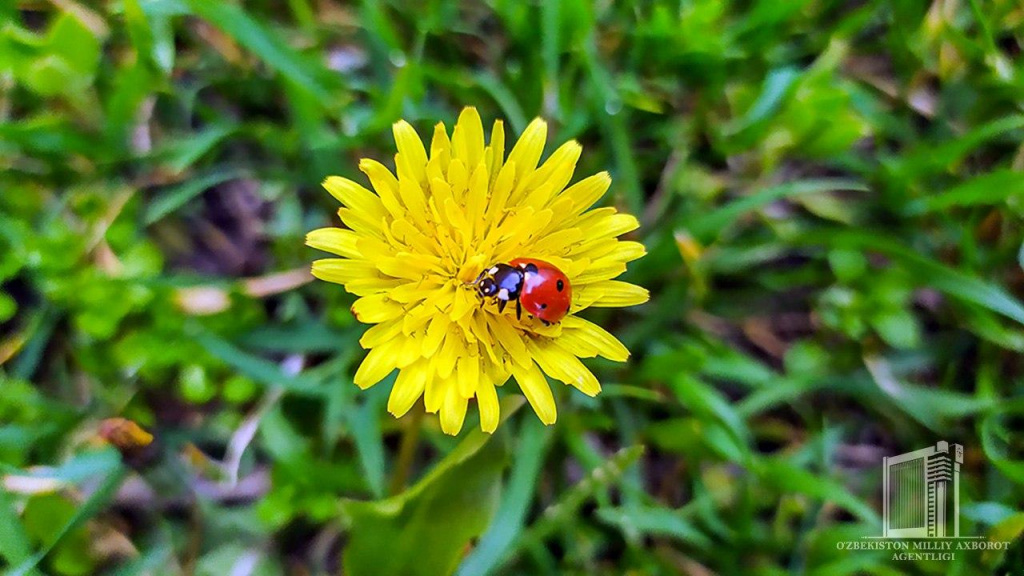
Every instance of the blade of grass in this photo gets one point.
(508, 521)
(773, 93)
(639, 521)
(171, 199)
(15, 546)
(607, 106)
(364, 424)
(185, 150)
(789, 479)
(928, 406)
(992, 188)
(563, 511)
(924, 270)
(41, 327)
(96, 501)
(928, 158)
(550, 47)
(505, 98)
(710, 226)
(259, 369)
(234, 21)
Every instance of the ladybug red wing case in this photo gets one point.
(546, 292)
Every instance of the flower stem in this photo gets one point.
(406, 451)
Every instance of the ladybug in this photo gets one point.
(537, 286)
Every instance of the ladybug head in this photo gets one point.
(487, 286)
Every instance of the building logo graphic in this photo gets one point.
(921, 508)
(921, 493)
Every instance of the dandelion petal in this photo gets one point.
(377, 364)
(410, 148)
(453, 411)
(408, 388)
(487, 401)
(535, 387)
(597, 338)
(526, 152)
(334, 240)
(614, 293)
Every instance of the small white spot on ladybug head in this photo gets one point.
(493, 270)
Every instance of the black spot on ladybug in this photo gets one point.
(560, 285)
(543, 306)
(531, 268)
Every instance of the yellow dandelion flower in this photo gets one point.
(413, 247)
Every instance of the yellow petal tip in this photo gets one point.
(362, 384)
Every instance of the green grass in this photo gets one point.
(830, 193)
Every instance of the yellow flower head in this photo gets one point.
(413, 248)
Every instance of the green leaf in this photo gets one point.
(786, 478)
(847, 264)
(283, 442)
(183, 152)
(99, 498)
(151, 34)
(507, 524)
(229, 557)
(66, 61)
(1008, 529)
(259, 369)
(364, 422)
(992, 188)
(8, 306)
(773, 93)
(170, 199)
(899, 328)
(43, 516)
(995, 442)
(928, 158)
(425, 530)
(924, 270)
(563, 513)
(637, 521)
(138, 27)
(75, 43)
(732, 439)
(40, 328)
(261, 41)
(711, 225)
(299, 338)
(51, 75)
(82, 466)
(505, 98)
(14, 543)
(614, 125)
(929, 406)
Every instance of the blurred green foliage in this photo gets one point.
(831, 195)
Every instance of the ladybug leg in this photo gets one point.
(519, 309)
(546, 323)
(501, 305)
